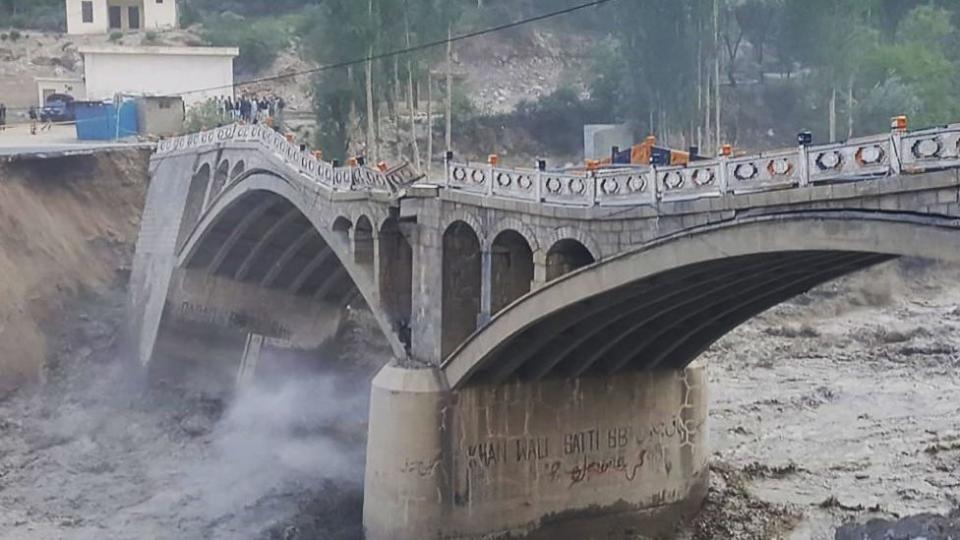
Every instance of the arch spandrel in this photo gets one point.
(262, 182)
(892, 234)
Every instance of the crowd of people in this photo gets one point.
(253, 109)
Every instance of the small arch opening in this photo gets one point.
(238, 169)
(396, 277)
(566, 256)
(220, 179)
(195, 203)
(341, 229)
(512, 269)
(363, 243)
(461, 285)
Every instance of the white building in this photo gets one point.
(104, 16)
(47, 86)
(195, 73)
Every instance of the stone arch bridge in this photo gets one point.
(545, 325)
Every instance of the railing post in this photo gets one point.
(595, 198)
(803, 165)
(722, 174)
(896, 152)
(490, 172)
(657, 194)
(538, 188)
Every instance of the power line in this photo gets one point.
(400, 52)
(415, 48)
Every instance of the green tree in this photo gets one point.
(917, 69)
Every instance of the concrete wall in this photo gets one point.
(71, 87)
(598, 139)
(75, 24)
(159, 71)
(160, 14)
(154, 15)
(156, 254)
(587, 458)
(161, 116)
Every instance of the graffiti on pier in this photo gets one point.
(609, 454)
(232, 319)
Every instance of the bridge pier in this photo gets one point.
(558, 459)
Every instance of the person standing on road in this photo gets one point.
(32, 113)
(3, 117)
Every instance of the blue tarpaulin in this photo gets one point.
(99, 121)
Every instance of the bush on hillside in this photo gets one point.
(260, 40)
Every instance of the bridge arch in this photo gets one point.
(341, 229)
(396, 276)
(238, 170)
(220, 179)
(363, 242)
(512, 269)
(567, 255)
(462, 283)
(468, 218)
(662, 304)
(519, 227)
(197, 192)
(306, 256)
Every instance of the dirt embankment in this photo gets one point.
(66, 225)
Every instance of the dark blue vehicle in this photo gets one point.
(58, 108)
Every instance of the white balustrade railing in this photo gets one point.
(854, 160)
(937, 148)
(322, 172)
(626, 186)
(699, 179)
(772, 170)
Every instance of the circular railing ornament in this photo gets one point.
(870, 155)
(829, 160)
(927, 148)
(553, 185)
(673, 180)
(525, 182)
(780, 167)
(478, 177)
(745, 171)
(610, 186)
(504, 180)
(703, 177)
(636, 183)
(577, 186)
(459, 174)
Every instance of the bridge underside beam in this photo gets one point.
(268, 242)
(666, 320)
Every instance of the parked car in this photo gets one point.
(58, 108)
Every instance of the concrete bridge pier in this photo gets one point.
(559, 459)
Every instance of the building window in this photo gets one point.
(87, 9)
(116, 17)
(133, 17)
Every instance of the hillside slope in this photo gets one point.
(66, 225)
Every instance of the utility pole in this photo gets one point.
(716, 73)
(372, 150)
(449, 133)
(429, 122)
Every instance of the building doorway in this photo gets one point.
(125, 15)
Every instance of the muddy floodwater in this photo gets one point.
(839, 407)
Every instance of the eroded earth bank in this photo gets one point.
(834, 416)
